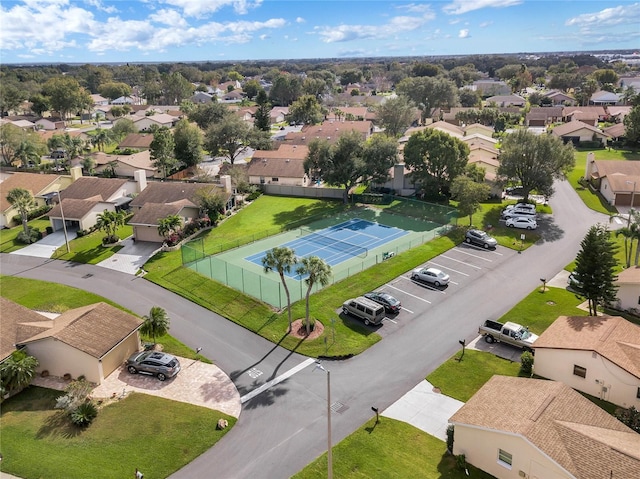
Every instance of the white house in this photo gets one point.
(519, 428)
(159, 119)
(597, 355)
(628, 284)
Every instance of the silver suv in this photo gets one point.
(155, 363)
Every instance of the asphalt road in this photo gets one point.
(284, 428)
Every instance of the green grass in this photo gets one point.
(88, 249)
(389, 449)
(156, 435)
(8, 241)
(462, 379)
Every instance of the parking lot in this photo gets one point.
(465, 264)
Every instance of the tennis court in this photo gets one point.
(338, 243)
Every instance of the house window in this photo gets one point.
(638, 393)
(262, 180)
(505, 459)
(638, 299)
(274, 180)
(579, 371)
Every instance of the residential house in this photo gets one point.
(21, 123)
(577, 132)
(515, 428)
(136, 141)
(449, 128)
(617, 181)
(597, 355)
(235, 96)
(87, 197)
(247, 114)
(202, 97)
(617, 113)
(328, 130)
(90, 341)
(50, 124)
(543, 116)
(357, 113)
(586, 114)
(126, 165)
(41, 187)
(489, 87)
(160, 119)
(129, 100)
(616, 132)
(478, 128)
(559, 98)
(487, 158)
(476, 139)
(284, 166)
(278, 114)
(99, 100)
(159, 200)
(506, 100)
(628, 284)
(604, 98)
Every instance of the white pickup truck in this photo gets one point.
(509, 333)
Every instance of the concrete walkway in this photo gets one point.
(425, 408)
(132, 257)
(46, 246)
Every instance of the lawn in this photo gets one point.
(88, 249)
(389, 449)
(38, 441)
(8, 241)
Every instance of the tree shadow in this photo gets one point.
(578, 323)
(265, 398)
(234, 375)
(550, 231)
(58, 425)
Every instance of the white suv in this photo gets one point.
(517, 212)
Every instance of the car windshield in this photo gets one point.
(524, 334)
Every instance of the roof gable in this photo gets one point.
(17, 324)
(88, 187)
(32, 182)
(161, 193)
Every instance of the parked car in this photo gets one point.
(364, 309)
(391, 304)
(155, 363)
(514, 191)
(522, 223)
(574, 282)
(522, 206)
(513, 212)
(430, 275)
(480, 238)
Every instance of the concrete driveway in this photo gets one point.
(47, 245)
(197, 383)
(131, 257)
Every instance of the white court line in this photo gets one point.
(474, 255)
(409, 294)
(459, 261)
(450, 269)
(279, 379)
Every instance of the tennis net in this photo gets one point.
(335, 244)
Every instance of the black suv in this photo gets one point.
(155, 363)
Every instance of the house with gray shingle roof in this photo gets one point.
(599, 356)
(90, 341)
(533, 428)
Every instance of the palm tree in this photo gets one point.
(169, 225)
(27, 152)
(22, 200)
(100, 139)
(630, 232)
(109, 222)
(156, 323)
(319, 272)
(281, 259)
(17, 371)
(88, 165)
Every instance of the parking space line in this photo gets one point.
(460, 261)
(407, 310)
(474, 255)
(409, 294)
(450, 269)
(424, 285)
(392, 320)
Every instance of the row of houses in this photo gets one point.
(543, 428)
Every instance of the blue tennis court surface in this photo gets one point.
(338, 243)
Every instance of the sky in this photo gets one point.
(104, 31)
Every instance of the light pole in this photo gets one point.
(64, 224)
(633, 197)
(329, 455)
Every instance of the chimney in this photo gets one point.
(76, 172)
(141, 179)
(226, 183)
(591, 157)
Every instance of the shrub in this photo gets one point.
(461, 461)
(630, 417)
(49, 230)
(526, 363)
(84, 414)
(110, 239)
(34, 213)
(81, 233)
(31, 236)
(254, 195)
(450, 438)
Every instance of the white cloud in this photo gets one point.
(454, 21)
(416, 7)
(264, 36)
(609, 16)
(458, 7)
(300, 20)
(345, 33)
(464, 33)
(485, 24)
(202, 8)
(168, 17)
(97, 4)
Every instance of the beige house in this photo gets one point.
(284, 166)
(615, 180)
(628, 283)
(90, 341)
(126, 165)
(578, 131)
(515, 428)
(478, 129)
(599, 356)
(328, 130)
(137, 141)
(41, 187)
(159, 119)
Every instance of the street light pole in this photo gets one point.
(64, 224)
(633, 197)
(329, 453)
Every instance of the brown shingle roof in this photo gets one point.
(93, 329)
(151, 213)
(328, 130)
(629, 276)
(72, 209)
(292, 152)
(277, 168)
(572, 126)
(32, 182)
(575, 433)
(17, 324)
(169, 193)
(137, 140)
(613, 337)
(87, 187)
